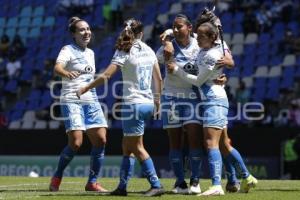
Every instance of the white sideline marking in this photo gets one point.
(33, 184)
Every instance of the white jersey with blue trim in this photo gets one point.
(83, 61)
(185, 58)
(208, 72)
(207, 59)
(137, 67)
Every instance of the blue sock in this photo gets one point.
(175, 157)
(126, 171)
(230, 171)
(195, 156)
(236, 159)
(66, 156)
(149, 171)
(97, 157)
(215, 165)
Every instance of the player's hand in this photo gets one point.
(81, 91)
(168, 50)
(72, 74)
(164, 36)
(221, 80)
(170, 67)
(222, 61)
(156, 113)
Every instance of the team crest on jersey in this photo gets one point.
(190, 68)
(88, 69)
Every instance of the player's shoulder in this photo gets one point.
(90, 50)
(67, 47)
(214, 53)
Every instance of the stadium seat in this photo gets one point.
(227, 38)
(34, 32)
(54, 124)
(289, 60)
(38, 11)
(26, 11)
(12, 22)
(49, 21)
(40, 124)
(238, 38)
(27, 125)
(2, 22)
(251, 38)
(275, 71)
(261, 71)
(29, 115)
(14, 125)
(163, 18)
(37, 22)
(237, 49)
(248, 81)
(175, 8)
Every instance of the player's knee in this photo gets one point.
(76, 146)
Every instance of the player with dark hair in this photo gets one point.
(139, 66)
(76, 65)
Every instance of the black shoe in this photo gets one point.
(119, 192)
(181, 188)
(152, 192)
(194, 182)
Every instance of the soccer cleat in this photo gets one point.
(181, 188)
(194, 187)
(54, 184)
(119, 192)
(215, 190)
(153, 192)
(233, 187)
(95, 187)
(248, 183)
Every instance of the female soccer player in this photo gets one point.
(139, 65)
(75, 64)
(179, 102)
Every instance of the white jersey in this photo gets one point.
(206, 60)
(137, 67)
(185, 58)
(76, 59)
(208, 72)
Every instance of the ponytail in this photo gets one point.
(130, 32)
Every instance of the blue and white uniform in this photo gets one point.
(137, 67)
(86, 112)
(179, 99)
(213, 96)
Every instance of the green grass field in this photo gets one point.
(73, 188)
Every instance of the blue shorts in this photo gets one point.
(215, 113)
(134, 117)
(79, 116)
(177, 112)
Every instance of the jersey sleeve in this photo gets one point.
(119, 58)
(160, 55)
(207, 65)
(63, 56)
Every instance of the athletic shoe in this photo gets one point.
(233, 187)
(215, 190)
(152, 192)
(248, 183)
(95, 187)
(194, 187)
(181, 188)
(119, 192)
(54, 184)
